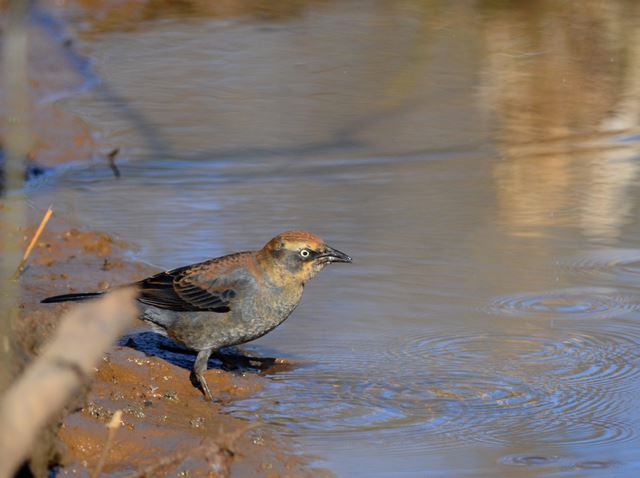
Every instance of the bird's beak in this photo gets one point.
(334, 255)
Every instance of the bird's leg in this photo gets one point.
(197, 374)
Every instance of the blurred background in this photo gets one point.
(477, 159)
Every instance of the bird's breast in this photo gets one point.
(269, 307)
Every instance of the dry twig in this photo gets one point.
(113, 425)
(23, 262)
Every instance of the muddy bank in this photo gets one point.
(168, 428)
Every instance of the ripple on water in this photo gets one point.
(436, 391)
(531, 460)
(544, 461)
(576, 383)
(622, 265)
(569, 356)
(577, 303)
(402, 410)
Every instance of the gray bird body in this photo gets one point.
(231, 299)
(253, 313)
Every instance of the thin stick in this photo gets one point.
(50, 380)
(34, 240)
(113, 425)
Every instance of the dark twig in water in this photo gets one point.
(112, 162)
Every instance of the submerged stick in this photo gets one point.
(112, 162)
(50, 381)
(34, 240)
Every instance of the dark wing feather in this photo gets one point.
(208, 286)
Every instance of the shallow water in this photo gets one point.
(478, 161)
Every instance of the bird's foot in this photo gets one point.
(200, 383)
(197, 373)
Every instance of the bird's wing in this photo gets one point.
(207, 286)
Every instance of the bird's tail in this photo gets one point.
(71, 297)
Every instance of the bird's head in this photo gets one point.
(298, 256)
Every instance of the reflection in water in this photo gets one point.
(588, 190)
(618, 265)
(553, 69)
(464, 153)
(130, 15)
(552, 79)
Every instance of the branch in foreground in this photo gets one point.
(48, 383)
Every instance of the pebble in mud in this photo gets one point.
(171, 395)
(135, 411)
(103, 285)
(197, 422)
(117, 395)
(98, 411)
(152, 391)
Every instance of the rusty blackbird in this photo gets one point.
(231, 299)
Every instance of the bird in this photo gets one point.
(228, 300)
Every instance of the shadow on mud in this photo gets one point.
(229, 358)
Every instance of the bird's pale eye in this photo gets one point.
(305, 253)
